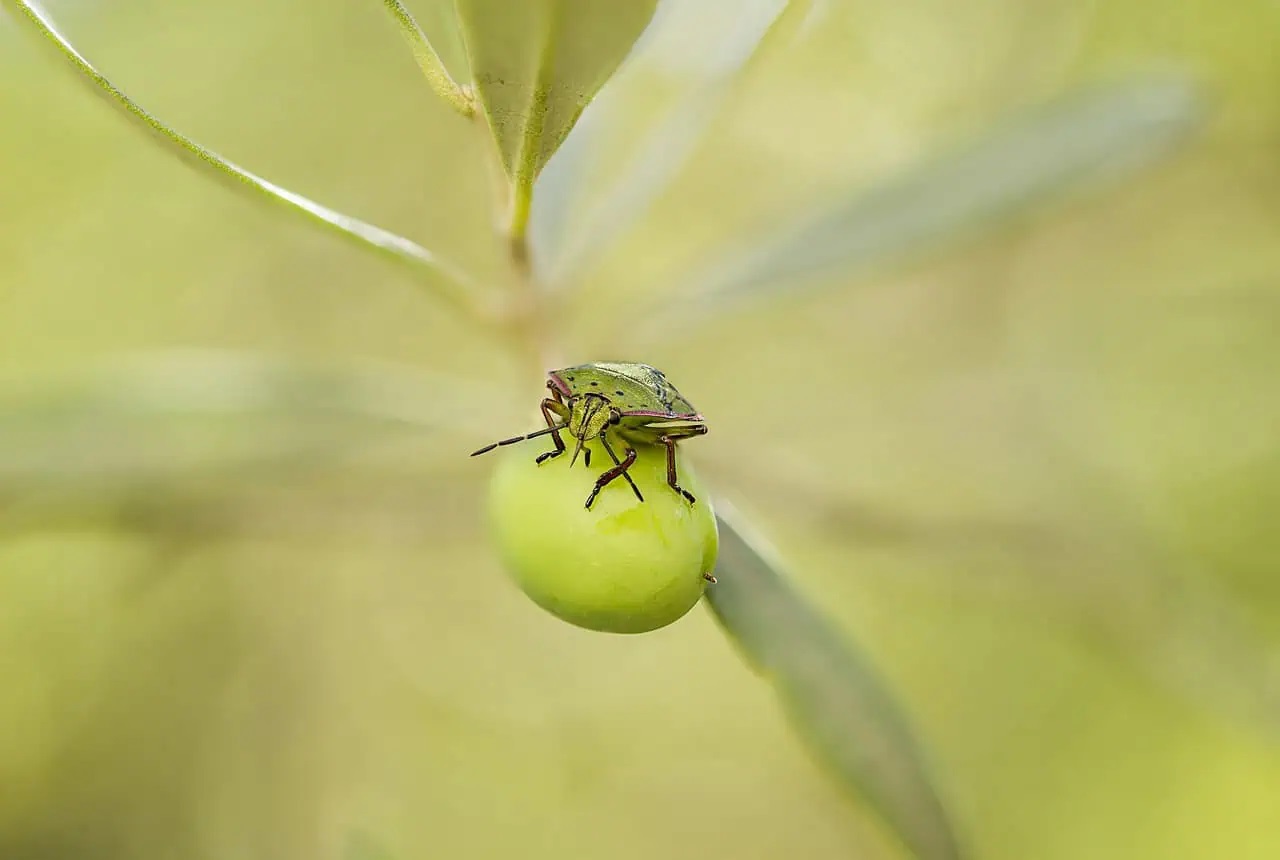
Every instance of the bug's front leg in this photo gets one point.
(609, 474)
(550, 407)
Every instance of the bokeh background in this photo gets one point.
(1035, 475)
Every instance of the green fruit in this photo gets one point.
(624, 566)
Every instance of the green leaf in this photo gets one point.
(364, 846)
(1087, 568)
(428, 58)
(446, 280)
(834, 698)
(440, 24)
(711, 66)
(536, 64)
(170, 415)
(1089, 138)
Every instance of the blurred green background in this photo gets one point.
(1036, 476)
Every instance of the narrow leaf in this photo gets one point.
(558, 199)
(364, 846)
(439, 20)
(834, 698)
(429, 60)
(711, 67)
(167, 415)
(536, 64)
(1091, 571)
(1087, 138)
(446, 279)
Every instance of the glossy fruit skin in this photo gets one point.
(624, 566)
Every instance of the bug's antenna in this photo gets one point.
(515, 439)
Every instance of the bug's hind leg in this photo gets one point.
(671, 469)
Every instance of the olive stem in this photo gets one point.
(460, 98)
(524, 312)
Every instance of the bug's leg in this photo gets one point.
(671, 469)
(609, 474)
(550, 406)
(626, 475)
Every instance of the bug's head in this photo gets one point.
(591, 415)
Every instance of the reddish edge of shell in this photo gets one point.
(674, 416)
(558, 383)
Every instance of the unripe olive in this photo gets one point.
(624, 566)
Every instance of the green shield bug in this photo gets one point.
(634, 403)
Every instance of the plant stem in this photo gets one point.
(441, 277)
(523, 316)
(531, 317)
(518, 223)
(461, 98)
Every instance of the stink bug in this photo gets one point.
(632, 402)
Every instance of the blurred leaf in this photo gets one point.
(171, 415)
(446, 279)
(536, 64)
(1087, 138)
(1158, 608)
(428, 58)
(710, 76)
(836, 701)
(1087, 568)
(364, 846)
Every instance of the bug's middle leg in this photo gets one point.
(550, 407)
(609, 449)
(609, 474)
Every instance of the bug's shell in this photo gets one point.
(637, 390)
